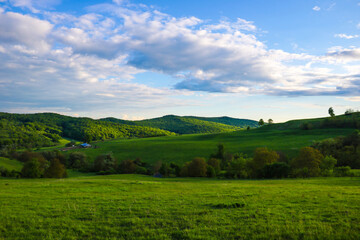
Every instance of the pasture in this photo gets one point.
(143, 207)
(180, 149)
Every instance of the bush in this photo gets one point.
(210, 172)
(238, 168)
(342, 171)
(77, 160)
(196, 168)
(327, 166)
(277, 170)
(309, 158)
(141, 170)
(263, 157)
(55, 170)
(105, 162)
(215, 163)
(31, 169)
(127, 167)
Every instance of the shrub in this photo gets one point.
(31, 169)
(215, 163)
(196, 168)
(309, 158)
(141, 170)
(105, 162)
(55, 170)
(77, 160)
(277, 170)
(263, 157)
(238, 168)
(210, 172)
(127, 167)
(342, 171)
(327, 165)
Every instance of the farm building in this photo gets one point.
(85, 145)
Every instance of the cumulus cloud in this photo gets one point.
(24, 30)
(92, 60)
(346, 36)
(316, 8)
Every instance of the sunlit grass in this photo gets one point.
(141, 207)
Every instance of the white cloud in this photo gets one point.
(92, 60)
(25, 30)
(316, 8)
(346, 36)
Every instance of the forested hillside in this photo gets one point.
(189, 125)
(242, 123)
(46, 129)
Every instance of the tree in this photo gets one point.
(127, 166)
(196, 168)
(277, 170)
(31, 169)
(264, 156)
(77, 160)
(55, 170)
(261, 122)
(331, 112)
(309, 158)
(105, 163)
(270, 121)
(238, 168)
(215, 163)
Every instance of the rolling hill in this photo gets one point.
(191, 124)
(47, 129)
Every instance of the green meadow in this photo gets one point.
(180, 149)
(144, 207)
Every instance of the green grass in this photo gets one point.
(184, 148)
(10, 164)
(141, 207)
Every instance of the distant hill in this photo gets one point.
(46, 129)
(191, 124)
(351, 120)
(237, 122)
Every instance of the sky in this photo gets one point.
(137, 59)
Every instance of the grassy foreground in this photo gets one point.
(141, 207)
(181, 149)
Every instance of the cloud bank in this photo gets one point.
(93, 59)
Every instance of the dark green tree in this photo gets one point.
(261, 122)
(31, 169)
(309, 158)
(331, 112)
(55, 170)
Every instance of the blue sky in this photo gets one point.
(136, 59)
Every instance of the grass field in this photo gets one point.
(184, 148)
(10, 164)
(140, 207)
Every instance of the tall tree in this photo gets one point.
(261, 122)
(331, 112)
(270, 121)
(55, 170)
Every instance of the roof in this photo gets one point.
(85, 145)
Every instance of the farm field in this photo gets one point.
(180, 149)
(142, 207)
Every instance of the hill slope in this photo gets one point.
(341, 121)
(46, 129)
(237, 122)
(181, 149)
(191, 124)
